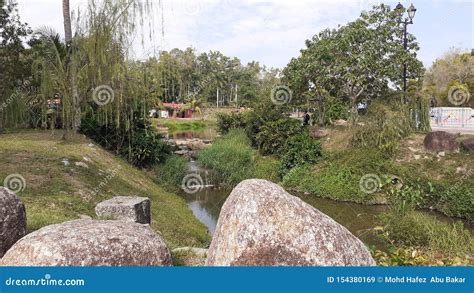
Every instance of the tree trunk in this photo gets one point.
(76, 111)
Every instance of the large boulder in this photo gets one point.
(13, 219)
(126, 208)
(90, 243)
(440, 141)
(468, 145)
(261, 224)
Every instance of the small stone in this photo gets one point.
(441, 154)
(81, 164)
(126, 208)
(65, 162)
(417, 157)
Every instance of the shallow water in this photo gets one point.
(359, 219)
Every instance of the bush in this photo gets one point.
(138, 144)
(226, 122)
(299, 150)
(273, 135)
(383, 128)
(171, 173)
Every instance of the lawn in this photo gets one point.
(66, 179)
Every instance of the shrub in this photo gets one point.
(384, 128)
(299, 150)
(145, 149)
(273, 135)
(171, 173)
(226, 122)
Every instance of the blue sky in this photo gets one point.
(273, 31)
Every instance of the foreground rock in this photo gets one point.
(439, 141)
(12, 219)
(261, 224)
(125, 208)
(90, 243)
(468, 145)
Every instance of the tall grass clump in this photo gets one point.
(231, 159)
(171, 173)
(384, 127)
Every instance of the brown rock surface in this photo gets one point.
(439, 141)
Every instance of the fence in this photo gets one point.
(447, 117)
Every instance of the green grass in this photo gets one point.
(337, 176)
(425, 232)
(232, 160)
(180, 125)
(56, 193)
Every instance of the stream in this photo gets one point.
(359, 219)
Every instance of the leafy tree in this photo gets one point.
(12, 71)
(356, 62)
(454, 69)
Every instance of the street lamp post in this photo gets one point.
(408, 20)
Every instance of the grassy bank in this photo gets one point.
(443, 183)
(66, 179)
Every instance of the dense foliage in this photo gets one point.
(354, 63)
(140, 145)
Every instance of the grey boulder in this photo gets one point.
(90, 243)
(13, 219)
(261, 224)
(125, 208)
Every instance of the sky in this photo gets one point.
(270, 31)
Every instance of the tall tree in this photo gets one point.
(355, 62)
(71, 69)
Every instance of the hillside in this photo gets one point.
(64, 180)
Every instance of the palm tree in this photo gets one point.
(76, 121)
